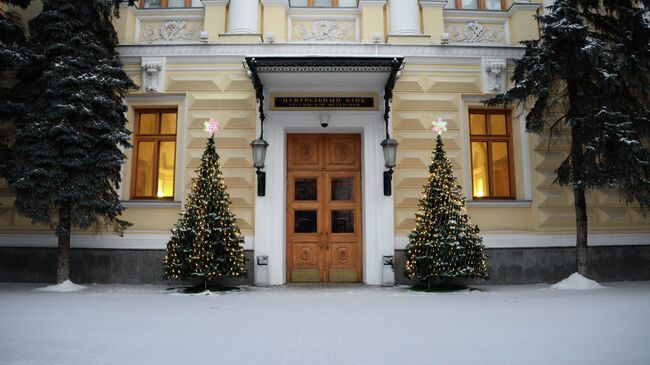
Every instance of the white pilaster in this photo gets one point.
(404, 17)
(243, 17)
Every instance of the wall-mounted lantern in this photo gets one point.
(259, 155)
(389, 146)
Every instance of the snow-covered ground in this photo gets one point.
(533, 324)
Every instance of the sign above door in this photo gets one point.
(324, 101)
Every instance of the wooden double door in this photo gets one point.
(324, 208)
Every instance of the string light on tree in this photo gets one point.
(206, 243)
(444, 244)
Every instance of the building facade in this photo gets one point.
(324, 83)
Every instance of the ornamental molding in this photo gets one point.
(153, 71)
(172, 30)
(325, 27)
(474, 32)
(494, 75)
(324, 30)
(234, 53)
(280, 68)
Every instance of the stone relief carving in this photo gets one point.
(474, 32)
(324, 30)
(494, 75)
(152, 74)
(171, 30)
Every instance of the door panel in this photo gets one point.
(304, 226)
(324, 208)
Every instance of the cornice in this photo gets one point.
(284, 3)
(471, 14)
(234, 53)
(215, 2)
(371, 3)
(433, 3)
(520, 6)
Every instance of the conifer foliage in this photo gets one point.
(67, 156)
(206, 242)
(586, 81)
(444, 243)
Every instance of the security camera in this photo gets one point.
(324, 120)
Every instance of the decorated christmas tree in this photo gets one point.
(206, 243)
(444, 243)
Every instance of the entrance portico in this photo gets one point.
(308, 76)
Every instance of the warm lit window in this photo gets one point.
(154, 151)
(476, 4)
(170, 4)
(491, 149)
(324, 3)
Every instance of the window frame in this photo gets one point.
(489, 138)
(481, 6)
(164, 4)
(157, 138)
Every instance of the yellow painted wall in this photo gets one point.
(423, 93)
(421, 97)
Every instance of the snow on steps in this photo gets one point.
(577, 282)
(64, 287)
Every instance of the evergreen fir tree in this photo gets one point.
(206, 242)
(587, 80)
(444, 243)
(14, 55)
(66, 161)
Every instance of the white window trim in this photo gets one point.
(156, 101)
(520, 149)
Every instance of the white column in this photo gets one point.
(404, 17)
(243, 17)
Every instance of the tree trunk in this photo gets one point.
(580, 202)
(63, 235)
(581, 229)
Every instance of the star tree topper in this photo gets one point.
(439, 126)
(212, 126)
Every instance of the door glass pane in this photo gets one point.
(144, 170)
(342, 221)
(147, 124)
(480, 169)
(493, 4)
(166, 169)
(305, 221)
(323, 3)
(500, 169)
(306, 189)
(477, 124)
(342, 188)
(498, 124)
(168, 123)
(469, 4)
(176, 3)
(152, 3)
